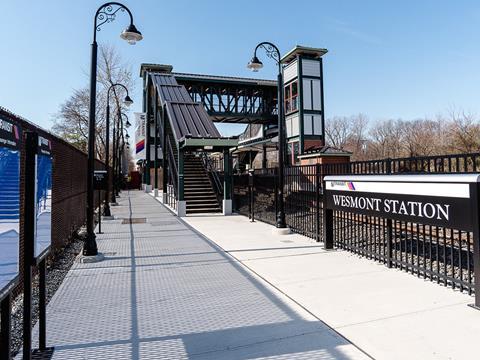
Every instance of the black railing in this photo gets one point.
(211, 166)
(435, 253)
(263, 187)
(172, 188)
(441, 255)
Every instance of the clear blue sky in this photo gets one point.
(401, 59)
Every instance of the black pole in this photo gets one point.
(42, 306)
(475, 195)
(120, 152)
(90, 247)
(317, 202)
(99, 211)
(281, 143)
(31, 144)
(114, 166)
(327, 223)
(274, 53)
(5, 328)
(106, 206)
(155, 142)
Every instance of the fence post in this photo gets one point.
(250, 195)
(389, 243)
(475, 192)
(253, 195)
(388, 163)
(317, 202)
(42, 307)
(5, 328)
(327, 223)
(31, 144)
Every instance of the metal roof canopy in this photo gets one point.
(225, 79)
(303, 50)
(187, 118)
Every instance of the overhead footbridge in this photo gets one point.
(184, 131)
(183, 108)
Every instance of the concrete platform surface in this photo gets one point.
(388, 313)
(165, 292)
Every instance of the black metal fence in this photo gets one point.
(439, 254)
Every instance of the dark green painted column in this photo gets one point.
(227, 178)
(164, 152)
(155, 163)
(180, 176)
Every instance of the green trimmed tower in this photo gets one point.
(303, 101)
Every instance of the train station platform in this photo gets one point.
(388, 313)
(165, 291)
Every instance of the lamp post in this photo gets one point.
(255, 64)
(127, 101)
(121, 154)
(118, 151)
(105, 14)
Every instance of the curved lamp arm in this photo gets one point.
(107, 13)
(270, 49)
(113, 85)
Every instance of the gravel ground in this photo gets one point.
(57, 268)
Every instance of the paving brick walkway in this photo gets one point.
(165, 292)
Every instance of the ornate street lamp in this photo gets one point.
(255, 64)
(105, 14)
(118, 151)
(127, 101)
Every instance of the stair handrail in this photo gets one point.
(209, 167)
(171, 160)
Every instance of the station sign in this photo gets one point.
(43, 198)
(100, 179)
(441, 200)
(10, 140)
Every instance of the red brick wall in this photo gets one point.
(68, 185)
(325, 160)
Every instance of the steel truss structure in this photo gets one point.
(233, 100)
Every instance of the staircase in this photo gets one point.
(198, 190)
(9, 186)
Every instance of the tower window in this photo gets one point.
(291, 97)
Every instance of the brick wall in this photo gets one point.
(68, 185)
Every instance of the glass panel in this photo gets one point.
(294, 88)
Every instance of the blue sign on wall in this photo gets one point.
(10, 135)
(43, 198)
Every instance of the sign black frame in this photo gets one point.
(470, 223)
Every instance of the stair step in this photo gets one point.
(198, 187)
(199, 193)
(200, 196)
(203, 211)
(202, 206)
(202, 201)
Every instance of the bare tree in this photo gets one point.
(386, 139)
(456, 132)
(421, 137)
(71, 122)
(338, 131)
(464, 132)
